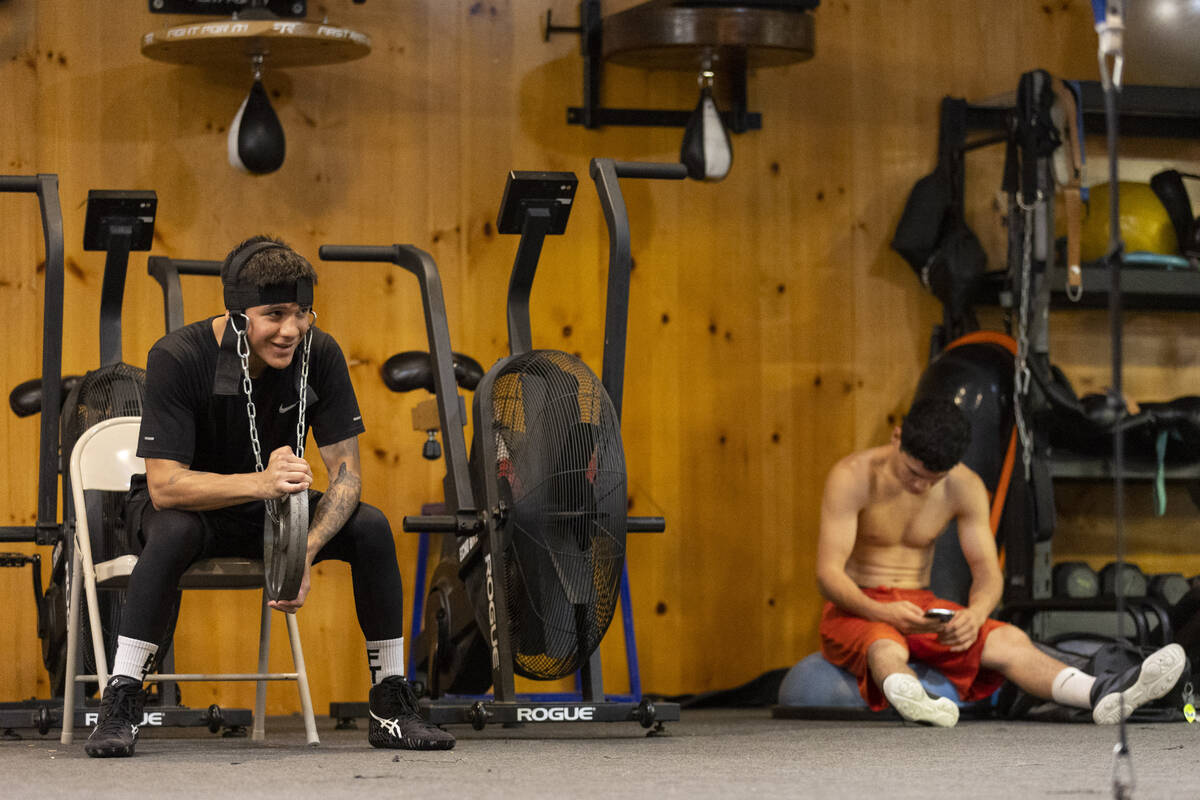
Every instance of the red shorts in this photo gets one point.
(845, 639)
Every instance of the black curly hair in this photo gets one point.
(936, 432)
(270, 266)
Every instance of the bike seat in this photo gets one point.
(26, 397)
(413, 369)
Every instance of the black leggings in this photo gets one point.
(173, 540)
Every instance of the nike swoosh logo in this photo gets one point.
(284, 409)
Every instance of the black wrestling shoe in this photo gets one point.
(120, 713)
(396, 722)
(1115, 697)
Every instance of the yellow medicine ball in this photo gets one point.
(1145, 225)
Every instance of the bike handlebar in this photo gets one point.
(358, 252)
(645, 524)
(430, 524)
(18, 183)
(194, 267)
(650, 169)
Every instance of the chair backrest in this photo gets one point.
(105, 457)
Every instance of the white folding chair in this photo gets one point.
(105, 458)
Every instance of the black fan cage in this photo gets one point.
(561, 469)
(115, 390)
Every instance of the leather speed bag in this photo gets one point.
(706, 151)
(256, 142)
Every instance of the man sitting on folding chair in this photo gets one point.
(220, 394)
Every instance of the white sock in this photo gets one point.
(385, 658)
(134, 657)
(1072, 688)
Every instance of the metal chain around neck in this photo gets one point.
(243, 351)
(300, 437)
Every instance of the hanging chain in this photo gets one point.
(300, 437)
(243, 351)
(1022, 373)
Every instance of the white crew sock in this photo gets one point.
(134, 657)
(1072, 688)
(385, 658)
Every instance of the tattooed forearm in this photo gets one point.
(334, 508)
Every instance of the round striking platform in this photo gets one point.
(681, 37)
(233, 43)
(284, 547)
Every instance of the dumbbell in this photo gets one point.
(1168, 588)
(1075, 579)
(1133, 581)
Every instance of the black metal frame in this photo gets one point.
(592, 114)
(45, 186)
(1166, 111)
(456, 484)
(167, 271)
(47, 715)
(532, 198)
(1142, 289)
(1156, 111)
(273, 8)
(40, 714)
(478, 521)
(44, 715)
(116, 222)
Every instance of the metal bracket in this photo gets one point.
(274, 8)
(593, 115)
(550, 28)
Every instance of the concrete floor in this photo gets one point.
(710, 753)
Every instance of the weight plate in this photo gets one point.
(284, 545)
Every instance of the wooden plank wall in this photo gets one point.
(772, 329)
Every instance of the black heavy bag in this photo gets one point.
(979, 374)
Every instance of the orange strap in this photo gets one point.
(986, 337)
(1010, 457)
(1074, 223)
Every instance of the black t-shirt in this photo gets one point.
(185, 420)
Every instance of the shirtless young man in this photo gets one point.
(882, 511)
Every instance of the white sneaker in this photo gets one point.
(1156, 676)
(908, 696)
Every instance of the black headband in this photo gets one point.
(240, 295)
